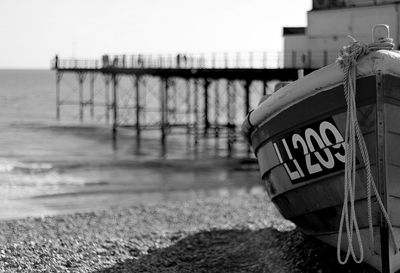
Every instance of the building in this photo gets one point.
(329, 23)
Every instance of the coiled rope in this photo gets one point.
(347, 60)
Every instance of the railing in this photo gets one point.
(288, 59)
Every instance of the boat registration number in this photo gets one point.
(311, 151)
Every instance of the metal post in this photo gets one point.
(216, 115)
(81, 79)
(247, 107)
(228, 118)
(166, 122)
(233, 116)
(58, 97)
(265, 86)
(162, 110)
(188, 106)
(174, 100)
(196, 113)
(107, 97)
(164, 118)
(137, 85)
(115, 103)
(92, 78)
(216, 110)
(188, 112)
(247, 97)
(206, 121)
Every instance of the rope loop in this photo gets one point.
(347, 60)
(351, 53)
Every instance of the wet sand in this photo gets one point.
(234, 230)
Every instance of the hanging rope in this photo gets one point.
(347, 60)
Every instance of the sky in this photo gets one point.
(33, 31)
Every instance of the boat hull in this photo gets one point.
(301, 157)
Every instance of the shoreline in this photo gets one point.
(232, 231)
(66, 187)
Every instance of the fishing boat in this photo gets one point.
(328, 148)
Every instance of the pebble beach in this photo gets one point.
(233, 230)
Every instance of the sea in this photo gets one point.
(50, 166)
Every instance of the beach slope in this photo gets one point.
(220, 231)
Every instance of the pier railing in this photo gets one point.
(226, 60)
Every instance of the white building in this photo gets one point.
(330, 22)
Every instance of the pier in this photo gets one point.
(202, 96)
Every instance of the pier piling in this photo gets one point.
(58, 93)
(164, 114)
(91, 100)
(138, 108)
(196, 114)
(216, 114)
(206, 84)
(81, 79)
(114, 80)
(107, 98)
(188, 111)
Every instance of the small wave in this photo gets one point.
(9, 165)
(20, 185)
(47, 179)
(22, 179)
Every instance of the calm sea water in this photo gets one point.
(41, 156)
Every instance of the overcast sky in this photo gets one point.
(33, 31)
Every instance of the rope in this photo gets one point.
(347, 60)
